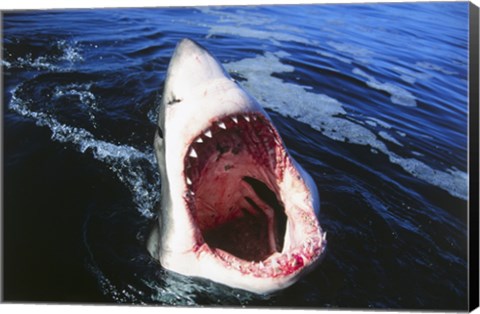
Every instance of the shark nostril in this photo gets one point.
(173, 100)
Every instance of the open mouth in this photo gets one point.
(247, 200)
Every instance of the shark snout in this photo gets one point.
(191, 65)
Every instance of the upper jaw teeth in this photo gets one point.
(193, 153)
(223, 125)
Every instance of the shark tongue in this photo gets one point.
(232, 173)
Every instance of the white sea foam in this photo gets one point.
(324, 114)
(451, 180)
(239, 17)
(398, 95)
(358, 53)
(243, 31)
(389, 138)
(410, 76)
(242, 23)
(236, 24)
(417, 154)
(434, 67)
(383, 124)
(319, 111)
(125, 161)
(334, 56)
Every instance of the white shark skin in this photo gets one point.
(197, 91)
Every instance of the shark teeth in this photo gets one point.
(257, 130)
(193, 153)
(280, 264)
(275, 263)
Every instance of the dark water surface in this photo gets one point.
(371, 99)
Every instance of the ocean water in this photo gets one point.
(371, 99)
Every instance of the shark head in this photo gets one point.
(236, 207)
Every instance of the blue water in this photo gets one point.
(371, 99)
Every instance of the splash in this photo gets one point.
(132, 166)
(86, 97)
(70, 53)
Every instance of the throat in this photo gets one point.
(239, 213)
(258, 232)
(245, 237)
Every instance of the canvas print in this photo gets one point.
(294, 156)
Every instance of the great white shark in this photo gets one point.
(236, 207)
